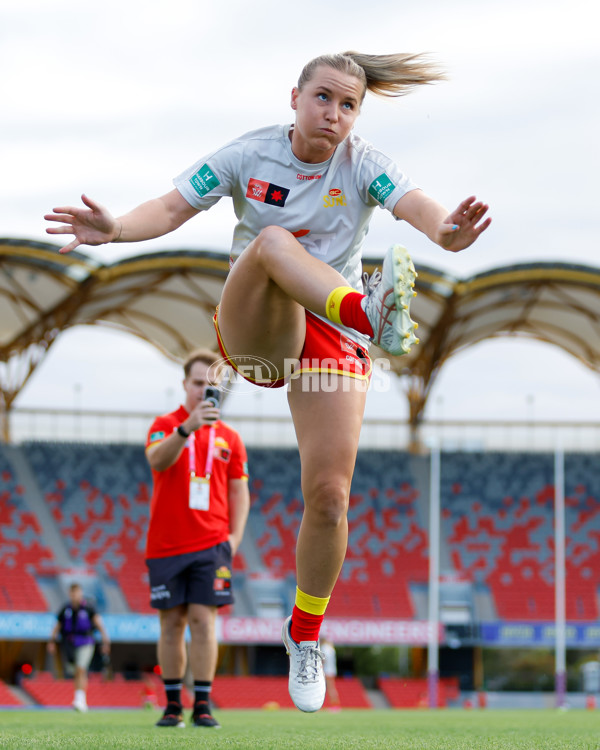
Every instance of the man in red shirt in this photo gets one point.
(198, 512)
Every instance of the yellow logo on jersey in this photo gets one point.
(335, 198)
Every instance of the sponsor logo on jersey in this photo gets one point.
(156, 436)
(309, 176)
(334, 198)
(266, 192)
(204, 180)
(223, 454)
(381, 187)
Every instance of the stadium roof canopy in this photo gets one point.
(168, 299)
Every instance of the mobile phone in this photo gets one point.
(213, 395)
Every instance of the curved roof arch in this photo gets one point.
(168, 299)
(557, 303)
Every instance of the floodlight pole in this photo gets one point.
(4, 420)
(560, 679)
(433, 672)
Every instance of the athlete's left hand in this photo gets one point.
(464, 225)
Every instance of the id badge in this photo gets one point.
(199, 493)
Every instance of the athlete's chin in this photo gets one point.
(326, 142)
(328, 136)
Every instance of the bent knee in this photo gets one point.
(270, 239)
(273, 235)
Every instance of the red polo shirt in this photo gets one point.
(174, 527)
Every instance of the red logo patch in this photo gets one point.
(266, 192)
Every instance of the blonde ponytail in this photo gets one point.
(396, 75)
(383, 75)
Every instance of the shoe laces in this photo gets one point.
(370, 283)
(308, 671)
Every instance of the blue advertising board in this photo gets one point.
(132, 628)
(538, 634)
(33, 626)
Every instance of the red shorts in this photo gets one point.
(325, 350)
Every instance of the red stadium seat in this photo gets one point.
(7, 697)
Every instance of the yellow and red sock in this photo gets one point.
(307, 616)
(344, 307)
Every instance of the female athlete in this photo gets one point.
(303, 195)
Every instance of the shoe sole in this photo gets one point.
(404, 277)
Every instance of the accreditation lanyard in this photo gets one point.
(200, 486)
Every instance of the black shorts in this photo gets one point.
(194, 578)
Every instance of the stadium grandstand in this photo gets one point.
(75, 507)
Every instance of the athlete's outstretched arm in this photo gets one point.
(95, 225)
(453, 231)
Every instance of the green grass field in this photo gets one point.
(279, 730)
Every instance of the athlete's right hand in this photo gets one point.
(93, 225)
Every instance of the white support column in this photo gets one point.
(560, 681)
(433, 672)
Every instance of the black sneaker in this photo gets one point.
(203, 718)
(172, 717)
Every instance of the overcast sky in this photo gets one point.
(116, 98)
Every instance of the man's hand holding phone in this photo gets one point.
(211, 404)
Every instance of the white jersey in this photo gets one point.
(326, 206)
